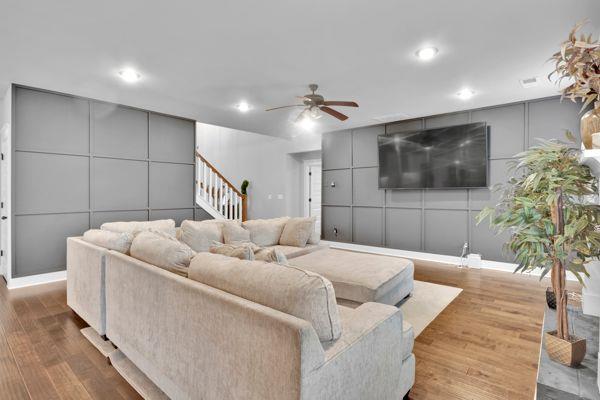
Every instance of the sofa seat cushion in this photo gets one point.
(291, 290)
(361, 277)
(293, 251)
(162, 250)
(408, 334)
(297, 231)
(265, 232)
(163, 225)
(117, 241)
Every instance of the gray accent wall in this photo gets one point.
(78, 163)
(433, 221)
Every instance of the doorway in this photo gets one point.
(312, 191)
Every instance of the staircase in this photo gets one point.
(216, 195)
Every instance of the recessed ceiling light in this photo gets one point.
(529, 82)
(465, 94)
(243, 107)
(427, 53)
(130, 75)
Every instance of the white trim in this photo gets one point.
(485, 264)
(306, 189)
(39, 279)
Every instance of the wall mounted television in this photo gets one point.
(441, 158)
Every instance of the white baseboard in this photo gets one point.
(15, 283)
(485, 264)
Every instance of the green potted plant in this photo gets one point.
(578, 61)
(551, 226)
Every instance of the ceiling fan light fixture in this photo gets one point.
(315, 113)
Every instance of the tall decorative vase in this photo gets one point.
(590, 124)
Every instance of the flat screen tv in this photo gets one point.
(439, 158)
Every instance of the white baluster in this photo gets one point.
(221, 195)
(230, 213)
(235, 207)
(204, 172)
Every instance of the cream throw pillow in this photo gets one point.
(234, 232)
(297, 231)
(270, 256)
(200, 235)
(241, 251)
(265, 232)
(164, 251)
(164, 225)
(117, 241)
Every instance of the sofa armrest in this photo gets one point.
(366, 318)
(366, 361)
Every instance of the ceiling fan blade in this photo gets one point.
(340, 103)
(277, 108)
(334, 113)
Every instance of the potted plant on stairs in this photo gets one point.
(551, 226)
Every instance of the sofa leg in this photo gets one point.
(406, 396)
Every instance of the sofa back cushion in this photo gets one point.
(265, 232)
(164, 251)
(200, 235)
(117, 241)
(288, 289)
(233, 232)
(297, 231)
(164, 225)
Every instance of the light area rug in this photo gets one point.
(426, 302)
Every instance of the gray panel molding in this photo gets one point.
(79, 162)
(438, 221)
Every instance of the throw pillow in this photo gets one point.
(270, 256)
(243, 252)
(162, 250)
(297, 231)
(265, 232)
(234, 232)
(199, 235)
(165, 225)
(117, 241)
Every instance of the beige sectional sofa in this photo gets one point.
(236, 329)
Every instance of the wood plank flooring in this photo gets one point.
(484, 345)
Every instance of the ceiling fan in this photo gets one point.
(315, 103)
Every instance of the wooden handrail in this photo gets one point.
(219, 174)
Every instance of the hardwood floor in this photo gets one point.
(484, 345)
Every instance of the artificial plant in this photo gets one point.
(579, 62)
(552, 227)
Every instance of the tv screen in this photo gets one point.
(452, 157)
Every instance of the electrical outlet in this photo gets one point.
(270, 196)
(280, 196)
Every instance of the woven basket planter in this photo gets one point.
(569, 353)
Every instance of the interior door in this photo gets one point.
(4, 137)
(314, 193)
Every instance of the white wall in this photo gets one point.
(272, 165)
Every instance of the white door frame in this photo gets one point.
(305, 170)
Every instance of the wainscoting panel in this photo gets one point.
(368, 225)
(337, 223)
(40, 241)
(78, 163)
(436, 221)
(120, 131)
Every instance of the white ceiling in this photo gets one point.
(199, 58)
